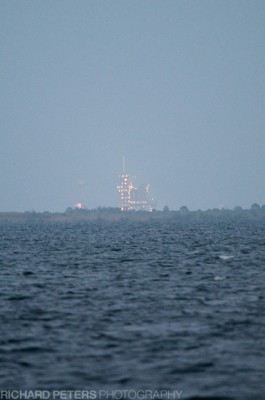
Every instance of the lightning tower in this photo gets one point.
(133, 197)
(124, 188)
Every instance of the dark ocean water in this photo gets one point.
(134, 306)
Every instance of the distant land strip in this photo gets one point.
(110, 214)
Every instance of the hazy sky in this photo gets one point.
(178, 87)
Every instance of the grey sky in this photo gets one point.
(175, 86)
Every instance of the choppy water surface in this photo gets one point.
(134, 305)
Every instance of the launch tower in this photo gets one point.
(133, 197)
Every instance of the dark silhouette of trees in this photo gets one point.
(255, 207)
(184, 210)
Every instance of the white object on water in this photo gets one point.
(225, 257)
(219, 278)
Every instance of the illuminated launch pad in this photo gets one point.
(133, 197)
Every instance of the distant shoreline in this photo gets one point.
(115, 215)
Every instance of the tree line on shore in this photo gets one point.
(256, 212)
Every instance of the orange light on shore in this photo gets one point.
(80, 206)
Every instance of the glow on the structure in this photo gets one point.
(133, 197)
